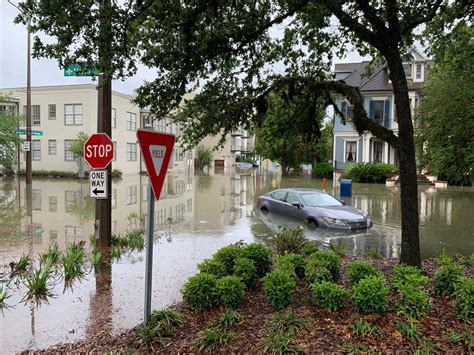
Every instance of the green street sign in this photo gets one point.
(76, 70)
(24, 132)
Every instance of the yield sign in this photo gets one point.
(157, 149)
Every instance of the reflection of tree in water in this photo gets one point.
(83, 208)
(10, 212)
(204, 182)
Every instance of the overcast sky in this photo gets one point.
(45, 71)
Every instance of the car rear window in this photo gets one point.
(320, 200)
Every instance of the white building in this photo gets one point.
(61, 112)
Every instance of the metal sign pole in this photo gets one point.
(149, 250)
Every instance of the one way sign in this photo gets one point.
(98, 183)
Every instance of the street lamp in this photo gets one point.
(29, 175)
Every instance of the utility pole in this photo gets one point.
(103, 207)
(29, 166)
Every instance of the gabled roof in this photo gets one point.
(375, 80)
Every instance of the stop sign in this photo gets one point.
(98, 151)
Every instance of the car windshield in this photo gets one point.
(320, 200)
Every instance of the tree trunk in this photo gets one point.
(410, 246)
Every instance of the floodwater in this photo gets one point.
(195, 216)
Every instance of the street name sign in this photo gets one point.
(98, 151)
(98, 183)
(77, 70)
(157, 149)
(25, 132)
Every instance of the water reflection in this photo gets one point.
(196, 215)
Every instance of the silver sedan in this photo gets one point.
(314, 207)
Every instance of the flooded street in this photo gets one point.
(195, 216)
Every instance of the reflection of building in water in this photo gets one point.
(62, 211)
(428, 200)
(222, 199)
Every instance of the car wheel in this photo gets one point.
(264, 209)
(311, 224)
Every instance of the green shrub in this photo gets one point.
(464, 298)
(53, 253)
(160, 326)
(447, 277)
(116, 174)
(329, 295)
(413, 302)
(280, 343)
(294, 262)
(213, 267)
(290, 240)
(316, 273)
(323, 170)
(327, 259)
(279, 288)
(246, 270)
(402, 274)
(199, 292)
(370, 295)
(227, 256)
(217, 333)
(359, 269)
(444, 258)
(309, 248)
(230, 291)
(369, 172)
(260, 255)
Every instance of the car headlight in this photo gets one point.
(337, 222)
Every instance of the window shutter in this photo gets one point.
(386, 114)
(371, 109)
(344, 108)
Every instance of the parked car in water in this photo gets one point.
(314, 207)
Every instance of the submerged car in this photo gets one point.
(314, 207)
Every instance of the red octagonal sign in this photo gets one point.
(99, 151)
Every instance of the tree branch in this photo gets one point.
(409, 24)
(360, 119)
(372, 16)
(352, 24)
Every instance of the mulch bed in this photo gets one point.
(327, 331)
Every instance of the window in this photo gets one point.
(292, 198)
(178, 154)
(53, 236)
(36, 149)
(131, 195)
(68, 155)
(71, 198)
(351, 152)
(379, 111)
(376, 111)
(73, 114)
(418, 72)
(115, 150)
(52, 112)
(377, 151)
(52, 147)
(147, 121)
(161, 126)
(53, 204)
(131, 124)
(279, 195)
(36, 200)
(407, 68)
(113, 118)
(131, 152)
(35, 115)
(346, 110)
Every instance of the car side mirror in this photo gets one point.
(297, 204)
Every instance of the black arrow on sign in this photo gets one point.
(95, 191)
